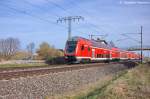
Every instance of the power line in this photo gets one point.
(131, 38)
(42, 8)
(26, 13)
(121, 39)
(92, 25)
(36, 6)
(58, 6)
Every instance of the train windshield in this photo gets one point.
(71, 46)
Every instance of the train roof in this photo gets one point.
(95, 43)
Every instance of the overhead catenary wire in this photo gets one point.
(58, 6)
(62, 8)
(131, 38)
(42, 8)
(86, 12)
(39, 7)
(40, 18)
(26, 13)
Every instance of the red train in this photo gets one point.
(79, 49)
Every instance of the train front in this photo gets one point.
(70, 50)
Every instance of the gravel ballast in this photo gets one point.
(38, 87)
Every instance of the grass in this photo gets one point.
(21, 65)
(133, 84)
(128, 84)
(100, 89)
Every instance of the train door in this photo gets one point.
(110, 55)
(93, 53)
(89, 51)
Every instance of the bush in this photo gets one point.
(56, 60)
(48, 52)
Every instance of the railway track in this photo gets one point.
(9, 73)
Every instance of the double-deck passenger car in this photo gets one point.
(79, 49)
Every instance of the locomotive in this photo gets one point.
(80, 49)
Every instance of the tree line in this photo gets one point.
(10, 49)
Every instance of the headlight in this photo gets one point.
(66, 57)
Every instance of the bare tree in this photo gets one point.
(30, 48)
(9, 47)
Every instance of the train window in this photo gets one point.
(82, 47)
(71, 46)
(108, 56)
(100, 56)
(104, 56)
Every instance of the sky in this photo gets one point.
(36, 20)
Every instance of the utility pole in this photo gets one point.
(141, 44)
(141, 41)
(69, 20)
